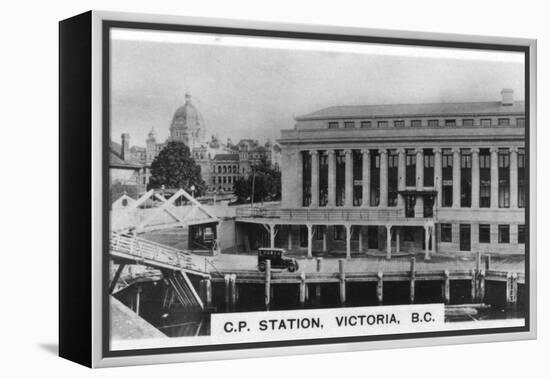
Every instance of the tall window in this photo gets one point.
(399, 123)
(429, 168)
(504, 233)
(446, 233)
(521, 179)
(484, 178)
(374, 178)
(447, 168)
(484, 233)
(340, 178)
(306, 179)
(465, 180)
(504, 179)
(357, 178)
(410, 168)
(392, 179)
(521, 233)
(323, 179)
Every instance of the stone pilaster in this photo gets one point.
(475, 178)
(331, 178)
(400, 176)
(513, 177)
(456, 178)
(494, 178)
(314, 178)
(438, 175)
(348, 201)
(383, 178)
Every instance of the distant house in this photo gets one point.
(127, 173)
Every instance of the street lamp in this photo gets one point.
(193, 191)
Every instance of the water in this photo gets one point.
(174, 321)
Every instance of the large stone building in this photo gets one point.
(443, 177)
(217, 160)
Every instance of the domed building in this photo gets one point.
(188, 125)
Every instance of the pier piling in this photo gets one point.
(227, 280)
(341, 268)
(380, 287)
(303, 289)
(481, 288)
(447, 287)
(233, 290)
(412, 279)
(267, 284)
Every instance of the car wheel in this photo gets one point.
(261, 267)
(292, 268)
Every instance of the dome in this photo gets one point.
(187, 124)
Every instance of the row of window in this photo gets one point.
(484, 233)
(227, 169)
(224, 179)
(503, 196)
(465, 122)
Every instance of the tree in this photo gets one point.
(175, 168)
(263, 180)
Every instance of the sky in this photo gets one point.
(247, 87)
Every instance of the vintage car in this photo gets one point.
(275, 255)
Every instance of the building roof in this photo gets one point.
(116, 160)
(225, 157)
(415, 110)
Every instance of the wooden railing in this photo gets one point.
(150, 253)
(324, 214)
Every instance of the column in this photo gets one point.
(398, 239)
(325, 230)
(494, 177)
(314, 178)
(426, 242)
(366, 178)
(299, 179)
(419, 169)
(400, 176)
(475, 178)
(289, 238)
(419, 207)
(272, 235)
(388, 242)
(438, 176)
(456, 177)
(348, 241)
(331, 178)
(348, 201)
(309, 240)
(383, 178)
(513, 178)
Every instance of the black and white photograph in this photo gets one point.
(288, 188)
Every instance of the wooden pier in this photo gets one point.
(479, 277)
